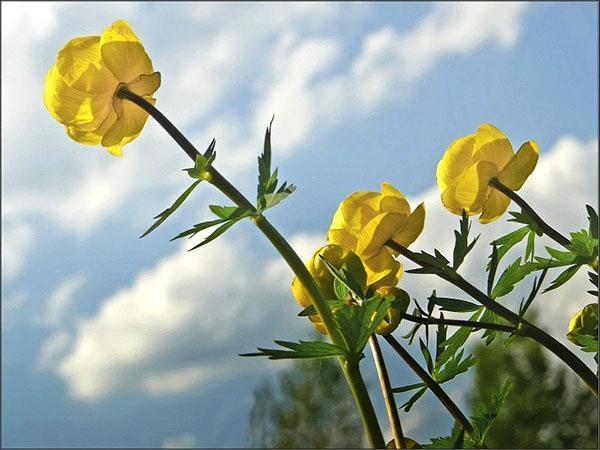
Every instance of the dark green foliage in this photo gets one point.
(548, 407)
(300, 350)
(309, 406)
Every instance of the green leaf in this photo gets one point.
(508, 241)
(533, 293)
(492, 267)
(167, 212)
(346, 278)
(301, 350)
(411, 401)
(453, 304)
(426, 355)
(462, 246)
(484, 414)
(588, 343)
(310, 310)
(530, 249)
(240, 214)
(593, 219)
(489, 317)
(563, 257)
(564, 276)
(409, 387)
(582, 244)
(264, 169)
(514, 273)
(456, 341)
(203, 162)
(526, 219)
(455, 366)
(273, 199)
(197, 228)
(358, 322)
(455, 440)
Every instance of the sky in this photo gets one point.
(112, 341)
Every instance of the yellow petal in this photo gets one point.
(318, 324)
(300, 294)
(358, 209)
(74, 107)
(93, 137)
(492, 145)
(123, 53)
(494, 206)
(413, 227)
(127, 127)
(373, 236)
(520, 166)
(458, 157)
(145, 84)
(343, 238)
(470, 189)
(81, 67)
(382, 269)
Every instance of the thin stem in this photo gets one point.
(388, 395)
(458, 323)
(548, 230)
(524, 327)
(350, 368)
(431, 384)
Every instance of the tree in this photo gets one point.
(547, 406)
(309, 406)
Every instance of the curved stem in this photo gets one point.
(388, 395)
(431, 384)
(548, 230)
(524, 327)
(350, 368)
(458, 323)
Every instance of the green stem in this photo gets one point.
(548, 230)
(350, 368)
(524, 328)
(458, 323)
(388, 395)
(431, 384)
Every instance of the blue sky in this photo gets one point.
(109, 340)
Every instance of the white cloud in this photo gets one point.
(61, 299)
(184, 441)
(182, 323)
(52, 349)
(278, 58)
(17, 242)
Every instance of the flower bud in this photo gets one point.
(394, 313)
(585, 322)
(336, 256)
(408, 442)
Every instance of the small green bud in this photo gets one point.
(585, 322)
(394, 313)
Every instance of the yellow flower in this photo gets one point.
(337, 256)
(585, 322)
(80, 89)
(364, 221)
(464, 173)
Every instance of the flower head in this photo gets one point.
(584, 322)
(392, 318)
(80, 90)
(469, 164)
(364, 221)
(336, 256)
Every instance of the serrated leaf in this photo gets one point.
(203, 162)
(224, 227)
(563, 277)
(301, 350)
(588, 343)
(345, 277)
(582, 244)
(462, 246)
(526, 219)
(533, 293)
(456, 341)
(282, 193)
(561, 256)
(454, 367)
(492, 267)
(310, 310)
(508, 241)
(167, 212)
(455, 440)
(514, 273)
